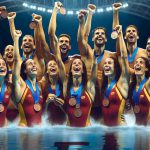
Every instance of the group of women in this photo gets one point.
(39, 83)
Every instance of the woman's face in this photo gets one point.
(77, 67)
(31, 68)
(109, 67)
(52, 68)
(3, 68)
(140, 66)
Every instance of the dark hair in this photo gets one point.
(103, 28)
(84, 76)
(133, 27)
(6, 67)
(23, 67)
(117, 73)
(29, 36)
(65, 35)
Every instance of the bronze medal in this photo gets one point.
(105, 102)
(136, 109)
(72, 101)
(37, 107)
(77, 112)
(33, 25)
(1, 107)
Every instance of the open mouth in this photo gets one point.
(27, 46)
(76, 69)
(53, 70)
(2, 70)
(107, 68)
(34, 69)
(137, 68)
(10, 55)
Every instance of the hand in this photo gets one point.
(118, 28)
(116, 6)
(50, 98)
(37, 18)
(81, 16)
(17, 33)
(91, 8)
(59, 101)
(58, 5)
(11, 15)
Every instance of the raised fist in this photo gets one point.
(37, 18)
(11, 15)
(117, 6)
(58, 5)
(91, 8)
(17, 33)
(82, 14)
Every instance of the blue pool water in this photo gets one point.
(64, 138)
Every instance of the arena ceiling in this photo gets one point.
(139, 8)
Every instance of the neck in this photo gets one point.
(32, 80)
(27, 55)
(100, 49)
(53, 80)
(77, 81)
(64, 55)
(1, 80)
(10, 66)
(111, 78)
(131, 47)
(139, 79)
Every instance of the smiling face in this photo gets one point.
(3, 68)
(31, 68)
(28, 44)
(109, 67)
(140, 67)
(77, 67)
(148, 48)
(99, 37)
(131, 35)
(9, 54)
(64, 44)
(52, 68)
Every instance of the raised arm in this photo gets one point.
(148, 85)
(82, 42)
(123, 82)
(87, 27)
(52, 26)
(11, 16)
(42, 47)
(92, 79)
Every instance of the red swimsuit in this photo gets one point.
(28, 116)
(113, 112)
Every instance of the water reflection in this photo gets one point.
(65, 138)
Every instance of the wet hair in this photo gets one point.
(93, 31)
(84, 76)
(117, 70)
(23, 67)
(65, 35)
(29, 36)
(133, 27)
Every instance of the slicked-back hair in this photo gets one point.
(135, 27)
(65, 35)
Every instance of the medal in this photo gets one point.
(1, 107)
(105, 102)
(33, 25)
(77, 112)
(37, 107)
(72, 101)
(136, 109)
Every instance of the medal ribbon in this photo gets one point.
(35, 94)
(57, 90)
(137, 94)
(65, 59)
(2, 93)
(108, 89)
(76, 94)
(31, 57)
(131, 59)
(99, 57)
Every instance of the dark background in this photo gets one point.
(69, 24)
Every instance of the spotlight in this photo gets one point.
(100, 10)
(108, 8)
(70, 12)
(25, 4)
(49, 10)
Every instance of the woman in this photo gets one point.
(5, 92)
(26, 89)
(141, 91)
(52, 85)
(115, 86)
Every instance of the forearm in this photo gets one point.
(12, 27)
(115, 18)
